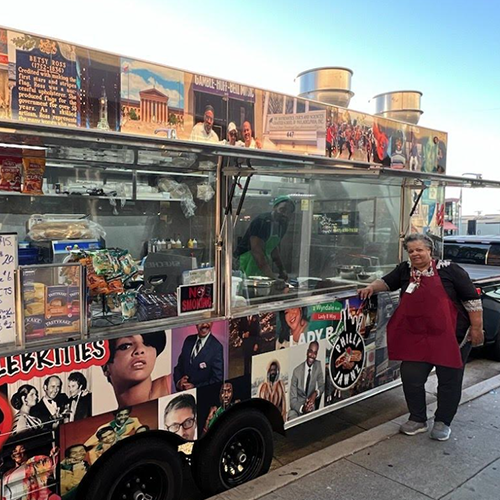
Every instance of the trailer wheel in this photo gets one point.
(147, 470)
(238, 450)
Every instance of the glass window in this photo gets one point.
(299, 237)
(140, 233)
(466, 253)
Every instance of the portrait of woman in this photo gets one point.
(130, 366)
(23, 401)
(294, 323)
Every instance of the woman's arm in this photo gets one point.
(467, 293)
(375, 287)
(476, 327)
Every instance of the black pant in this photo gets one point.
(414, 374)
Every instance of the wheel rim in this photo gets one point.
(147, 481)
(242, 457)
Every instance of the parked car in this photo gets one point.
(480, 257)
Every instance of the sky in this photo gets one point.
(448, 50)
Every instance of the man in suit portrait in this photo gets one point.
(52, 405)
(80, 399)
(308, 384)
(201, 361)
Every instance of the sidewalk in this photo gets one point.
(381, 464)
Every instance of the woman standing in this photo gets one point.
(23, 401)
(438, 320)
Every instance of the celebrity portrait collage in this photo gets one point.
(66, 406)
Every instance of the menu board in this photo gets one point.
(8, 265)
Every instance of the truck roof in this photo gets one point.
(477, 239)
(478, 272)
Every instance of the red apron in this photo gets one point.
(424, 324)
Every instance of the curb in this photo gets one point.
(294, 471)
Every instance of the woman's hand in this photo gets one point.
(366, 293)
(476, 336)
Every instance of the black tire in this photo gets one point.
(236, 451)
(147, 466)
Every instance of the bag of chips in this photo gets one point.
(10, 173)
(34, 169)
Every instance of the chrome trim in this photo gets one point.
(279, 305)
(324, 68)
(342, 404)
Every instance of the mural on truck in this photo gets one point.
(56, 83)
(62, 408)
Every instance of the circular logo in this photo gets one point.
(347, 360)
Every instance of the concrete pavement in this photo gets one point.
(381, 464)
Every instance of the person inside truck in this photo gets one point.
(438, 320)
(259, 247)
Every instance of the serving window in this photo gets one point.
(298, 237)
(140, 223)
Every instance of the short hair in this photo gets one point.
(125, 408)
(47, 380)
(69, 448)
(158, 340)
(209, 108)
(180, 402)
(311, 343)
(79, 378)
(426, 240)
(103, 431)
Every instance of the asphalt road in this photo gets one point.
(347, 422)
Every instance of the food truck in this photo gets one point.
(179, 260)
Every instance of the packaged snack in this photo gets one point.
(42, 230)
(56, 301)
(128, 304)
(128, 266)
(96, 284)
(10, 173)
(34, 327)
(34, 169)
(73, 301)
(102, 263)
(115, 286)
(114, 303)
(114, 257)
(62, 325)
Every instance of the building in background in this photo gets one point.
(452, 216)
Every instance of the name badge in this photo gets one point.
(411, 288)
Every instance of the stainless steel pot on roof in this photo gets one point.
(331, 85)
(401, 105)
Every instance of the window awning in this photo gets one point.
(449, 226)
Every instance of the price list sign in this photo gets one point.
(46, 85)
(8, 264)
